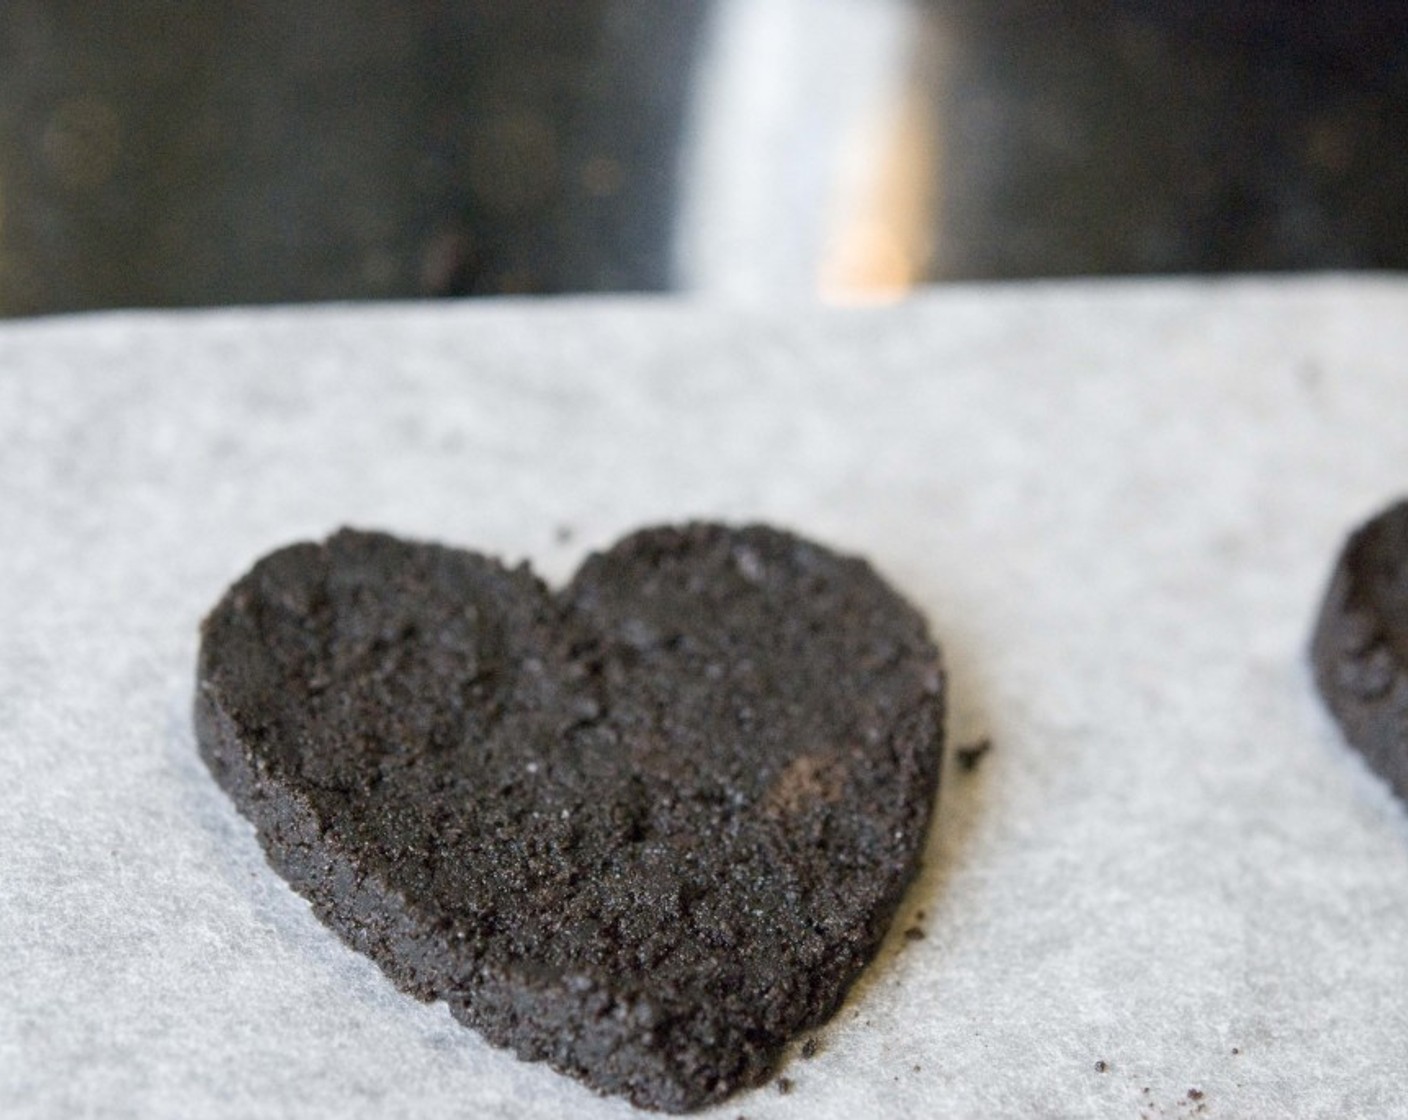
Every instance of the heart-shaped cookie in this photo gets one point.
(1359, 650)
(645, 828)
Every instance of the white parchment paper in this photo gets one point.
(1117, 504)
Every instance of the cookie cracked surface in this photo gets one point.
(645, 828)
(1359, 650)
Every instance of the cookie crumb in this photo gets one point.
(809, 1048)
(1235, 1050)
(1195, 1094)
(1102, 1066)
(784, 1085)
(914, 933)
(969, 756)
(916, 1069)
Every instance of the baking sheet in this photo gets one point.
(1117, 503)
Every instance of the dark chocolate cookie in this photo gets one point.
(644, 829)
(1360, 647)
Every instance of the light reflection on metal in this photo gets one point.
(881, 243)
(884, 222)
(784, 86)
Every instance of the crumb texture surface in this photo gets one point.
(644, 829)
(1360, 647)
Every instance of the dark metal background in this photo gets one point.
(160, 154)
(171, 153)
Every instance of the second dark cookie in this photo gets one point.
(1360, 646)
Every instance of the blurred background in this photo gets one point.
(162, 154)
